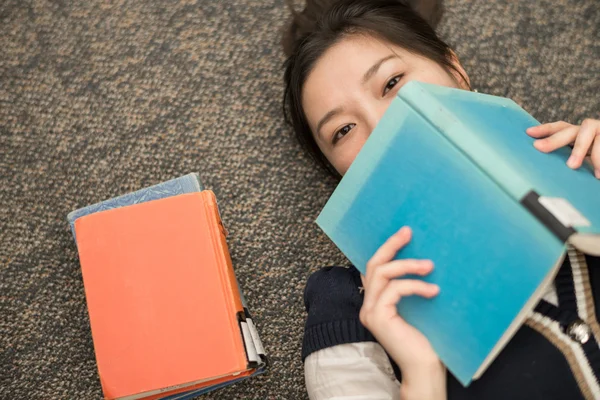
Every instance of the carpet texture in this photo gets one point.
(99, 98)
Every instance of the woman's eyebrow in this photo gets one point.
(375, 67)
(326, 118)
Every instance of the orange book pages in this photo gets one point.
(201, 385)
(221, 244)
(159, 313)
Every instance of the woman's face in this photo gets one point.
(352, 85)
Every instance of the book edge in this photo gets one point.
(338, 204)
(198, 391)
(520, 318)
(446, 124)
(415, 89)
(191, 180)
(588, 243)
(165, 391)
(225, 268)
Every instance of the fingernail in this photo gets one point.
(571, 162)
(404, 230)
(436, 288)
(597, 173)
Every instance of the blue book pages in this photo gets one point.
(491, 255)
(184, 184)
(490, 130)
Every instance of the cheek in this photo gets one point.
(343, 155)
(445, 79)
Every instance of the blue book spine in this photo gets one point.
(185, 184)
(490, 131)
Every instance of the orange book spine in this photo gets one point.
(220, 244)
(223, 249)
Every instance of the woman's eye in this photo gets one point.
(391, 83)
(342, 132)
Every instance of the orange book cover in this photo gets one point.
(162, 307)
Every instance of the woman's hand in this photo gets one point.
(585, 140)
(423, 375)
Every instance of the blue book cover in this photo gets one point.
(491, 211)
(489, 131)
(185, 184)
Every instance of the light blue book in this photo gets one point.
(185, 184)
(492, 212)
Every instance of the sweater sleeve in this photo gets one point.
(333, 299)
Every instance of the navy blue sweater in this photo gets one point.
(531, 366)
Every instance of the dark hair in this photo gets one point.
(409, 24)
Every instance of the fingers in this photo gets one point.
(559, 134)
(545, 130)
(382, 275)
(385, 305)
(589, 130)
(398, 288)
(595, 156)
(380, 268)
(388, 250)
(557, 140)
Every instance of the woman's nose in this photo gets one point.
(374, 113)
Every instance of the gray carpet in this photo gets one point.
(98, 98)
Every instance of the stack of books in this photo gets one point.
(167, 316)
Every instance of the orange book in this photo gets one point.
(164, 306)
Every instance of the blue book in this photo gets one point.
(492, 212)
(185, 184)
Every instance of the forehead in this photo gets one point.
(349, 57)
(340, 70)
